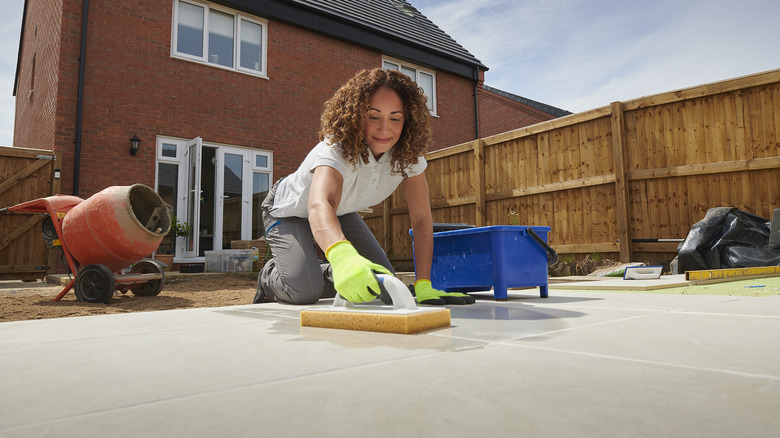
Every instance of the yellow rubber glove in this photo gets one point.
(353, 274)
(426, 294)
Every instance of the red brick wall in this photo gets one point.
(499, 114)
(455, 123)
(134, 87)
(36, 111)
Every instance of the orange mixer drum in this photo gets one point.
(117, 226)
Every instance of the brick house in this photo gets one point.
(224, 96)
(500, 111)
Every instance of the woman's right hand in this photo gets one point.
(353, 274)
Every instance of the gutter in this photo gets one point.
(476, 103)
(80, 99)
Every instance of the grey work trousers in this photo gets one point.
(295, 275)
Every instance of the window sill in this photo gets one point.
(220, 67)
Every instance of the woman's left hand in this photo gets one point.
(426, 294)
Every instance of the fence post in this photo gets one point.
(621, 183)
(387, 243)
(478, 182)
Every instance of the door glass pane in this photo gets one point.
(189, 29)
(260, 186)
(192, 197)
(167, 185)
(251, 45)
(231, 207)
(220, 38)
(261, 161)
(207, 202)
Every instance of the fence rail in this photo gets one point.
(620, 180)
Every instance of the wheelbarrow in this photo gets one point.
(103, 235)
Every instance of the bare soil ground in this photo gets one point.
(24, 301)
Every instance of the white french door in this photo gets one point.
(233, 190)
(217, 202)
(215, 189)
(192, 194)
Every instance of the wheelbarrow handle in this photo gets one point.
(552, 256)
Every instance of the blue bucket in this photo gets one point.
(497, 257)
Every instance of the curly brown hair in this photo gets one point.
(344, 117)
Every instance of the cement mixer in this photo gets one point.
(104, 234)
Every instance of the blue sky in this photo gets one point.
(584, 54)
(573, 54)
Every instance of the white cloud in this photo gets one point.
(579, 55)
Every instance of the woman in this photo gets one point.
(374, 133)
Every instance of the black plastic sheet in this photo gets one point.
(727, 238)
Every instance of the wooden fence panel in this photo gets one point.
(25, 175)
(605, 179)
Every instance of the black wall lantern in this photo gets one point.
(134, 142)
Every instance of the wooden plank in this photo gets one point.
(6, 151)
(621, 182)
(753, 119)
(387, 242)
(769, 107)
(18, 231)
(741, 132)
(552, 187)
(707, 168)
(677, 220)
(729, 85)
(450, 151)
(586, 248)
(776, 98)
(548, 126)
(24, 173)
(667, 247)
(22, 269)
(446, 203)
(478, 182)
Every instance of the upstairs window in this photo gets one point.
(219, 37)
(425, 79)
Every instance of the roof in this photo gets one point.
(549, 109)
(397, 18)
(393, 27)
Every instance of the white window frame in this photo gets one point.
(418, 70)
(237, 19)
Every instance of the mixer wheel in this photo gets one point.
(150, 288)
(94, 284)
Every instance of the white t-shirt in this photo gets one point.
(364, 184)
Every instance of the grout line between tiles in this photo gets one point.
(644, 361)
(596, 324)
(740, 315)
(215, 391)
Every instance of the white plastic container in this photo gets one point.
(229, 260)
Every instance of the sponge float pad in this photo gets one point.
(403, 317)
